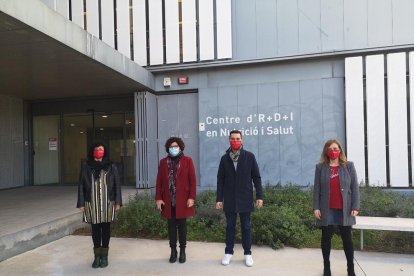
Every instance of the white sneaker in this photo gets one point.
(226, 259)
(249, 260)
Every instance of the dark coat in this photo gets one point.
(85, 183)
(348, 182)
(234, 187)
(185, 188)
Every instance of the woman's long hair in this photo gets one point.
(324, 157)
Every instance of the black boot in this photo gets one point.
(327, 232)
(351, 271)
(104, 257)
(346, 235)
(327, 269)
(173, 256)
(182, 258)
(97, 261)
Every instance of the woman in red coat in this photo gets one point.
(175, 194)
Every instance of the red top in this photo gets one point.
(335, 196)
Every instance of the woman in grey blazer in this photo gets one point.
(335, 201)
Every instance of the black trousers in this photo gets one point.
(175, 224)
(231, 232)
(101, 233)
(346, 235)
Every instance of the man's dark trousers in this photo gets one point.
(231, 232)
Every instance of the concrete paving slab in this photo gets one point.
(72, 255)
(27, 207)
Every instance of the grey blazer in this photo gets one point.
(348, 182)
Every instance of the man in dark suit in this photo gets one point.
(238, 171)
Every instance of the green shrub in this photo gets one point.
(277, 226)
(209, 224)
(292, 197)
(379, 203)
(387, 241)
(140, 218)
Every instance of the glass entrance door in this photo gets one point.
(75, 144)
(116, 130)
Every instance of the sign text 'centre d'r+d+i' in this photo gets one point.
(251, 125)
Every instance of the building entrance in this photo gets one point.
(60, 144)
(163, 116)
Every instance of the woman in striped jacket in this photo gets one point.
(99, 198)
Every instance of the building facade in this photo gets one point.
(288, 74)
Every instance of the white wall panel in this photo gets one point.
(172, 41)
(206, 29)
(380, 22)
(77, 12)
(139, 32)
(155, 32)
(411, 70)
(355, 24)
(265, 24)
(310, 35)
(189, 30)
(50, 3)
(224, 34)
(402, 22)
(397, 119)
(92, 17)
(108, 19)
(332, 24)
(287, 20)
(123, 28)
(354, 97)
(62, 7)
(375, 103)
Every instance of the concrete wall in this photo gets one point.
(276, 28)
(286, 113)
(309, 92)
(11, 142)
(256, 99)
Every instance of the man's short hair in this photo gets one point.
(236, 131)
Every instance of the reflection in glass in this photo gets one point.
(116, 130)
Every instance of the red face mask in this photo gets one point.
(235, 145)
(98, 153)
(333, 153)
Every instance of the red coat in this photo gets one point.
(185, 188)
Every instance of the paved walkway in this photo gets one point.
(73, 255)
(33, 216)
(27, 207)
